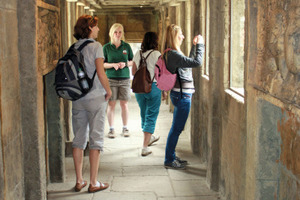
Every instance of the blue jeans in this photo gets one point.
(149, 108)
(182, 106)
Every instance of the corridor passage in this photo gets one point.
(133, 177)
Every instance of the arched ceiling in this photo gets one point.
(128, 6)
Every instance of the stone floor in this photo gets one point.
(133, 177)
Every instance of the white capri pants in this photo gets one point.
(88, 119)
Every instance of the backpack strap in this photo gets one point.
(80, 49)
(83, 45)
(149, 54)
(141, 55)
(179, 80)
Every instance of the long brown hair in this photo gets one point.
(150, 41)
(82, 27)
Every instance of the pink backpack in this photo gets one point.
(165, 79)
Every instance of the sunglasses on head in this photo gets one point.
(92, 19)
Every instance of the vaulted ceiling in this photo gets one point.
(124, 6)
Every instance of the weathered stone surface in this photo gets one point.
(55, 134)
(289, 128)
(11, 167)
(48, 40)
(135, 26)
(277, 69)
(288, 187)
(14, 173)
(2, 185)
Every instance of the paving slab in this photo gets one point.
(192, 188)
(125, 195)
(161, 185)
(134, 177)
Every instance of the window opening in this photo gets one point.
(237, 41)
(206, 39)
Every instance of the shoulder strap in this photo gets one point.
(146, 59)
(80, 48)
(83, 45)
(149, 54)
(180, 85)
(141, 55)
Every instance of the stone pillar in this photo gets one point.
(195, 110)
(1, 158)
(11, 147)
(215, 110)
(80, 10)
(187, 28)
(32, 103)
(72, 20)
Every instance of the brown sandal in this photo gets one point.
(79, 186)
(102, 186)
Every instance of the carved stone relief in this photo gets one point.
(278, 63)
(48, 40)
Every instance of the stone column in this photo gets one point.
(1, 158)
(187, 27)
(32, 116)
(80, 10)
(195, 110)
(215, 77)
(72, 20)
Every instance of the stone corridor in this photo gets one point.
(133, 177)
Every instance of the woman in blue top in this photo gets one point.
(181, 94)
(149, 103)
(88, 113)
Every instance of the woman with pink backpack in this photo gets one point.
(181, 94)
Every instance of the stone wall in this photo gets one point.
(11, 165)
(135, 26)
(49, 51)
(273, 93)
(252, 142)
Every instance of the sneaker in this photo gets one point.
(146, 151)
(153, 139)
(185, 162)
(111, 133)
(125, 132)
(174, 165)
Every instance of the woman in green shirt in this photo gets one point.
(118, 57)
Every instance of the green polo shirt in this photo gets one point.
(115, 55)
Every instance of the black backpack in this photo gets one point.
(71, 79)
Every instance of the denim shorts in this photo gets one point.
(120, 89)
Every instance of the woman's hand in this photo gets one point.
(108, 95)
(122, 65)
(164, 95)
(115, 66)
(198, 39)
